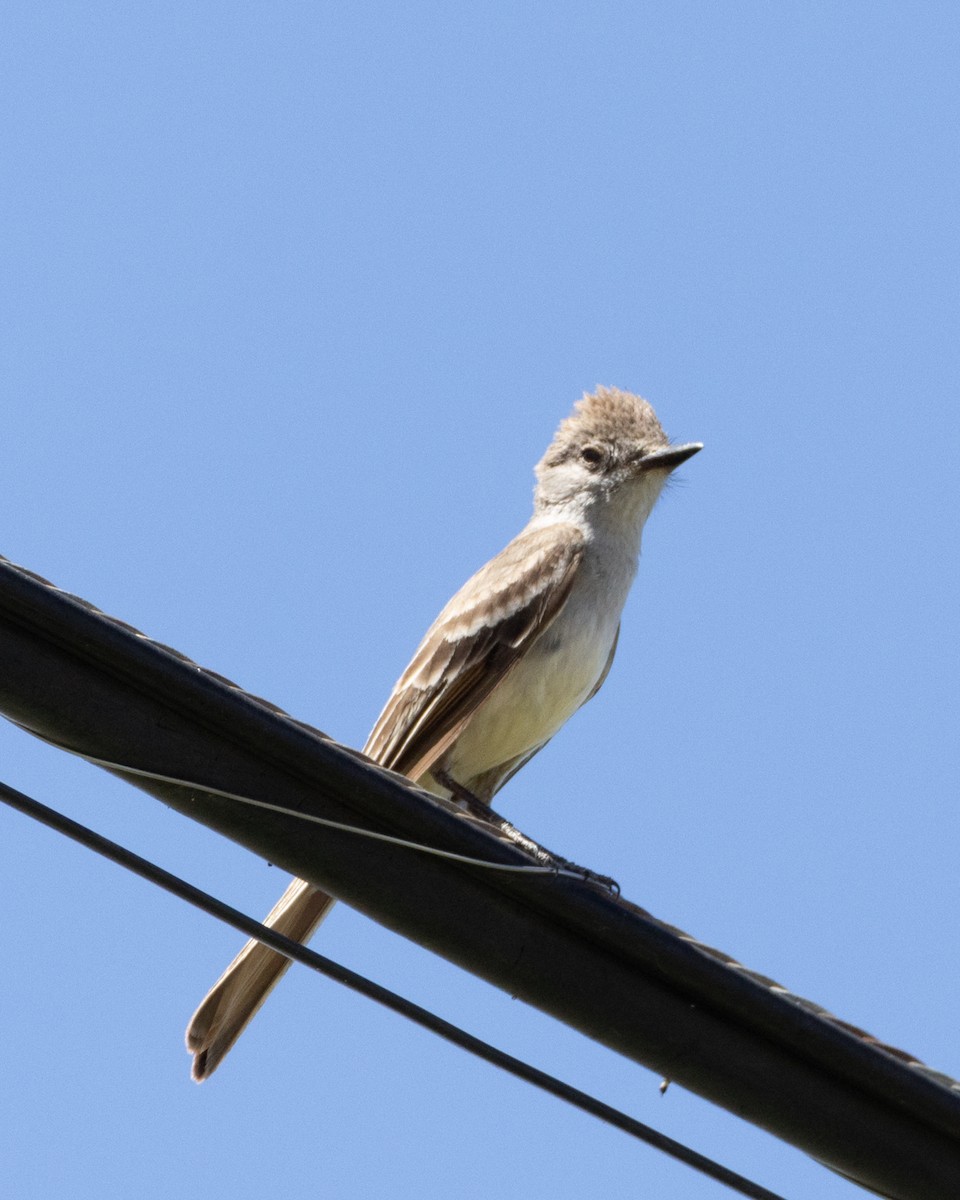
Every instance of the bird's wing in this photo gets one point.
(484, 631)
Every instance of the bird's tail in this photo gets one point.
(237, 995)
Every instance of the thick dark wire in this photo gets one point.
(366, 987)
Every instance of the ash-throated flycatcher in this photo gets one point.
(516, 652)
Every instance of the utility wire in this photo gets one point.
(567, 872)
(366, 987)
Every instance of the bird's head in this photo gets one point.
(611, 450)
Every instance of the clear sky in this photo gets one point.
(293, 297)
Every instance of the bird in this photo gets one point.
(519, 648)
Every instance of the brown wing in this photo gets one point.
(484, 630)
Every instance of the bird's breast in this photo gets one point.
(547, 686)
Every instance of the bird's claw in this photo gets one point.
(475, 808)
(589, 876)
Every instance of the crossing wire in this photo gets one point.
(381, 995)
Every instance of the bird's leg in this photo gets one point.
(463, 796)
(483, 812)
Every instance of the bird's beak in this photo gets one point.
(669, 457)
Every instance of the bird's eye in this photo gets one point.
(592, 455)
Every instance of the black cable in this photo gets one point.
(556, 872)
(358, 983)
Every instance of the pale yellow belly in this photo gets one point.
(535, 699)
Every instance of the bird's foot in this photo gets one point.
(588, 876)
(546, 858)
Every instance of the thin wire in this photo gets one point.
(366, 987)
(516, 868)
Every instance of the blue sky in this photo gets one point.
(293, 297)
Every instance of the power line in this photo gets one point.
(557, 870)
(604, 966)
(383, 996)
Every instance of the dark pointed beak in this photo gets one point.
(669, 457)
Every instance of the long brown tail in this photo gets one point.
(237, 995)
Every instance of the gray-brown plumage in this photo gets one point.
(523, 644)
(465, 654)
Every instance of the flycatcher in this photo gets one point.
(521, 646)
